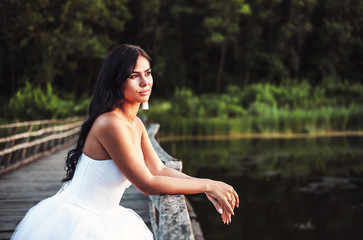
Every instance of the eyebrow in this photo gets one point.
(149, 69)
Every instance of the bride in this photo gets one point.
(112, 152)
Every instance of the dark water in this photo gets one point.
(310, 188)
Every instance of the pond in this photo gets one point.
(291, 188)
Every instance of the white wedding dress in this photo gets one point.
(86, 208)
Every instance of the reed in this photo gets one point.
(326, 119)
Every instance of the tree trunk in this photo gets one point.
(247, 78)
(183, 68)
(221, 67)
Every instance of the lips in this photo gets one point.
(144, 92)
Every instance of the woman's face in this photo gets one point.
(137, 87)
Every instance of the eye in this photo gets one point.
(133, 76)
(148, 73)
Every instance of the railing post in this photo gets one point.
(10, 146)
(53, 142)
(37, 147)
(30, 128)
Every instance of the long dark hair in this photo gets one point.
(117, 67)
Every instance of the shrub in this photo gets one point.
(31, 103)
(183, 102)
(186, 104)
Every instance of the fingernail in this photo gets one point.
(220, 210)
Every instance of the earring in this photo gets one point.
(145, 106)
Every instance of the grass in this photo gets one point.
(313, 121)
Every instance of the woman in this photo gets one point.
(112, 152)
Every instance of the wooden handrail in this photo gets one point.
(37, 122)
(50, 135)
(169, 215)
(40, 132)
(40, 141)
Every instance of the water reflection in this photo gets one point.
(308, 188)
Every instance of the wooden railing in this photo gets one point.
(169, 215)
(21, 143)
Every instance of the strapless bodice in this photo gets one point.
(86, 208)
(96, 184)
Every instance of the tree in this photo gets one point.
(53, 41)
(222, 21)
(335, 45)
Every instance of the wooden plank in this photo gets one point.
(22, 189)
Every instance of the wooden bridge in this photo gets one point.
(168, 216)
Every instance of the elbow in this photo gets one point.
(158, 171)
(147, 191)
(148, 188)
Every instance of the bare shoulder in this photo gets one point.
(139, 123)
(109, 122)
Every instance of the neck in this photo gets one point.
(129, 110)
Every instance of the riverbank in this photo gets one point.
(262, 135)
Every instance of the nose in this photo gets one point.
(143, 81)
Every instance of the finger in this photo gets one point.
(232, 202)
(215, 203)
(236, 198)
(228, 206)
(224, 215)
(227, 217)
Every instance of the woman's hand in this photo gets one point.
(224, 199)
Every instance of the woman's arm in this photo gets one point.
(153, 162)
(118, 141)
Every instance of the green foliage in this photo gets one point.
(58, 42)
(207, 44)
(34, 103)
(321, 120)
(31, 103)
(343, 93)
(258, 98)
(185, 103)
(279, 54)
(261, 108)
(80, 108)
